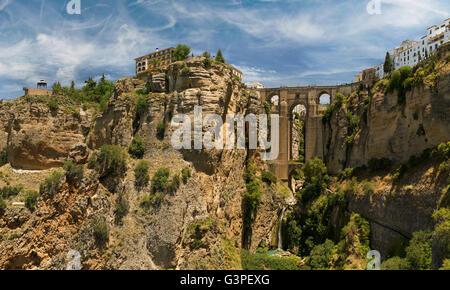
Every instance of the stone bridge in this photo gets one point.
(289, 98)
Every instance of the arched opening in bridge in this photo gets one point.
(298, 123)
(275, 100)
(324, 99)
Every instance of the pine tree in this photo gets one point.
(219, 56)
(388, 64)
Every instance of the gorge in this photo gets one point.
(98, 174)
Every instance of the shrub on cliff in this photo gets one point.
(316, 180)
(141, 173)
(111, 160)
(137, 147)
(174, 184)
(9, 191)
(402, 81)
(98, 92)
(4, 158)
(122, 208)
(51, 184)
(445, 265)
(100, 230)
(162, 184)
(141, 105)
(186, 174)
(269, 177)
(31, 197)
(160, 180)
(74, 172)
(207, 61)
(161, 130)
(2, 206)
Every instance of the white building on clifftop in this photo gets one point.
(409, 53)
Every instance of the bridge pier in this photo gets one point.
(309, 96)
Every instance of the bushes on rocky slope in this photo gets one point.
(141, 105)
(111, 160)
(160, 186)
(141, 173)
(51, 184)
(121, 208)
(74, 172)
(9, 191)
(161, 130)
(3, 158)
(186, 174)
(137, 147)
(95, 93)
(31, 197)
(100, 230)
(251, 198)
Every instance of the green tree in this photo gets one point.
(141, 173)
(160, 180)
(181, 52)
(219, 56)
(161, 130)
(321, 255)
(388, 64)
(137, 147)
(418, 253)
(206, 55)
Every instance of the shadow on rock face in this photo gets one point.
(203, 160)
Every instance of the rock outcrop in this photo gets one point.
(392, 131)
(198, 226)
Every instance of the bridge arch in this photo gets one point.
(273, 98)
(298, 112)
(324, 98)
(310, 98)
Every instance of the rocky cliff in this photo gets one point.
(374, 131)
(200, 225)
(386, 129)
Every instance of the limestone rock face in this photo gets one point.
(214, 192)
(157, 82)
(36, 137)
(392, 131)
(198, 226)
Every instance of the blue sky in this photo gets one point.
(290, 42)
